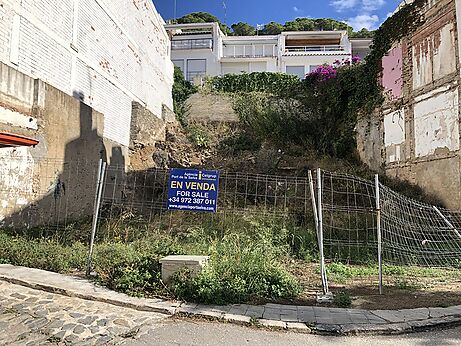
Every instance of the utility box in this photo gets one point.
(172, 264)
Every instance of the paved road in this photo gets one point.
(179, 332)
(33, 317)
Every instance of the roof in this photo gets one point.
(12, 140)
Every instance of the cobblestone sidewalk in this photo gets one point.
(34, 317)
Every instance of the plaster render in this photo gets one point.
(436, 122)
(394, 135)
(392, 79)
(434, 55)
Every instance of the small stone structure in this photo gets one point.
(172, 264)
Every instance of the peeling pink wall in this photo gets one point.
(392, 79)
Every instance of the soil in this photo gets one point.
(364, 291)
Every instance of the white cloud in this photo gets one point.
(363, 6)
(367, 21)
(372, 5)
(342, 5)
(296, 9)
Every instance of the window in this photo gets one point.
(297, 71)
(196, 68)
(179, 63)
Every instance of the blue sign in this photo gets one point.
(193, 190)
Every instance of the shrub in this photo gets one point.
(42, 253)
(133, 268)
(343, 299)
(239, 271)
(182, 89)
(268, 82)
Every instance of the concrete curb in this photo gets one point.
(302, 319)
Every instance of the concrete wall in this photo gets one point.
(56, 179)
(210, 108)
(109, 53)
(419, 121)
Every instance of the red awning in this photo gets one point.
(10, 140)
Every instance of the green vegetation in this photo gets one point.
(182, 89)
(240, 270)
(243, 29)
(268, 82)
(246, 257)
(341, 273)
(343, 299)
(202, 17)
(274, 28)
(198, 136)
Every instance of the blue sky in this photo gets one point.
(358, 13)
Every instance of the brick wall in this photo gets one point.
(110, 53)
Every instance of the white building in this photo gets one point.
(201, 49)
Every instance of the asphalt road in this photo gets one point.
(183, 332)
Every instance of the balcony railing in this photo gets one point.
(310, 49)
(250, 51)
(192, 44)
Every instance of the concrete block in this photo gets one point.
(172, 264)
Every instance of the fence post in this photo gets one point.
(320, 223)
(314, 204)
(378, 229)
(97, 203)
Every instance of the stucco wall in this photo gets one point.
(108, 53)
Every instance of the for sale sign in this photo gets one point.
(193, 190)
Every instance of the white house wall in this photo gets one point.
(308, 61)
(212, 63)
(108, 52)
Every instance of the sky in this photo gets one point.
(359, 14)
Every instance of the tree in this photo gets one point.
(329, 24)
(243, 29)
(203, 17)
(364, 33)
(300, 24)
(272, 28)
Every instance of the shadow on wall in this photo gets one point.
(68, 185)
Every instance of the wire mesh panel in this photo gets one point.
(349, 218)
(415, 233)
(140, 198)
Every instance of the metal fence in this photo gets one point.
(141, 198)
(355, 220)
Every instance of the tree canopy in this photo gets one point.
(202, 17)
(243, 29)
(274, 28)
